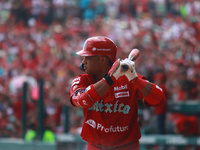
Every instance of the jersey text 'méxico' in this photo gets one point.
(112, 121)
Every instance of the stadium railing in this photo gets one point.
(190, 107)
(20, 144)
(74, 142)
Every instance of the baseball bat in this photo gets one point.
(133, 55)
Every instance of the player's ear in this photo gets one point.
(105, 60)
(102, 59)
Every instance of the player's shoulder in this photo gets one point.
(81, 82)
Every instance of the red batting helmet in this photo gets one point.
(99, 45)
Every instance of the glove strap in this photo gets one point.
(107, 79)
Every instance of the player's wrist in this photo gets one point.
(139, 83)
(112, 76)
(109, 79)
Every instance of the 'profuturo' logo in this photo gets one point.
(112, 128)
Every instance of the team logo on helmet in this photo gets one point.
(94, 48)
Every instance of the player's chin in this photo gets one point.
(86, 70)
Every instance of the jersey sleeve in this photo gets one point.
(156, 97)
(79, 85)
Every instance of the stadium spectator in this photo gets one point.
(49, 135)
(161, 112)
(184, 125)
(31, 133)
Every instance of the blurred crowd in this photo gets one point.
(39, 38)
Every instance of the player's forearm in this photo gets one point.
(101, 88)
(153, 94)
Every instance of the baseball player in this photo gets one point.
(108, 92)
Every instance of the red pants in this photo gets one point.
(130, 146)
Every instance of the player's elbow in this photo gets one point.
(83, 100)
(161, 103)
(156, 96)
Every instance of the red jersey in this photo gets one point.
(113, 120)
